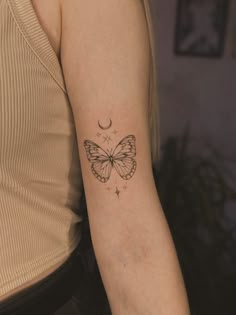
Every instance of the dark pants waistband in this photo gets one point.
(50, 293)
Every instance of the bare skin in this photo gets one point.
(49, 16)
(105, 57)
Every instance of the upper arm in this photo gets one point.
(105, 55)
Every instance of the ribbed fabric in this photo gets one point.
(40, 174)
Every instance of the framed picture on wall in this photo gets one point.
(201, 27)
(234, 43)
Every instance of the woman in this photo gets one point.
(76, 111)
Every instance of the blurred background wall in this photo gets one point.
(199, 90)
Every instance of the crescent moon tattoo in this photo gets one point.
(105, 127)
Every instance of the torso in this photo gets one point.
(49, 15)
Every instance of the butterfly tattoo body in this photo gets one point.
(121, 159)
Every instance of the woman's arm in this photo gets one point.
(105, 57)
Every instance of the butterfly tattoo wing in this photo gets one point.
(100, 162)
(123, 157)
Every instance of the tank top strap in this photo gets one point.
(30, 27)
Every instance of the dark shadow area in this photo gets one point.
(195, 192)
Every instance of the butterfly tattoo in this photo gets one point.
(121, 159)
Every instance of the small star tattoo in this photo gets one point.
(107, 139)
(117, 192)
(98, 134)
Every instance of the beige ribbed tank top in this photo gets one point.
(40, 175)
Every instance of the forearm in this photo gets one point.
(140, 269)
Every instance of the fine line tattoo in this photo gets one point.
(105, 127)
(121, 159)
